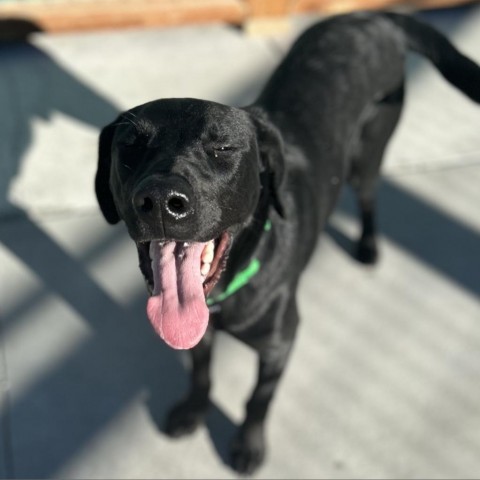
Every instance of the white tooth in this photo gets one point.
(207, 256)
(205, 269)
(208, 253)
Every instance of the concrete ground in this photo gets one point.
(385, 377)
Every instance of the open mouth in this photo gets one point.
(179, 276)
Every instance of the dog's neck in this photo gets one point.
(245, 254)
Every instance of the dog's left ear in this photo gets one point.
(270, 148)
(102, 178)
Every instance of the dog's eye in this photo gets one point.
(133, 144)
(135, 141)
(222, 150)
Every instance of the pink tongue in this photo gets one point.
(177, 308)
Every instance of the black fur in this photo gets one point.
(323, 119)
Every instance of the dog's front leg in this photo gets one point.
(248, 449)
(188, 414)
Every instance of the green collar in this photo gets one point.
(242, 278)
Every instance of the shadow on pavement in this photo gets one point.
(432, 236)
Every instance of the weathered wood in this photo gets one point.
(59, 16)
(88, 15)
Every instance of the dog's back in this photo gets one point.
(338, 94)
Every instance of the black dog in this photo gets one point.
(197, 182)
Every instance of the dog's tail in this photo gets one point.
(458, 69)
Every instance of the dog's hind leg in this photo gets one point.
(375, 132)
(188, 414)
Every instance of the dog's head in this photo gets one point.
(185, 176)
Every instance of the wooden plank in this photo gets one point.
(59, 16)
(83, 15)
(268, 8)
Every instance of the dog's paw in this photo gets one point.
(248, 452)
(183, 419)
(367, 252)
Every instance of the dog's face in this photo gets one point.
(184, 175)
(183, 170)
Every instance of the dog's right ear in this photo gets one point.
(270, 146)
(102, 178)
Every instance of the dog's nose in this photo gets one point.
(170, 199)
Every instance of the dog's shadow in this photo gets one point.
(221, 428)
(342, 240)
(429, 234)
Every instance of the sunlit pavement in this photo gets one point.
(385, 377)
